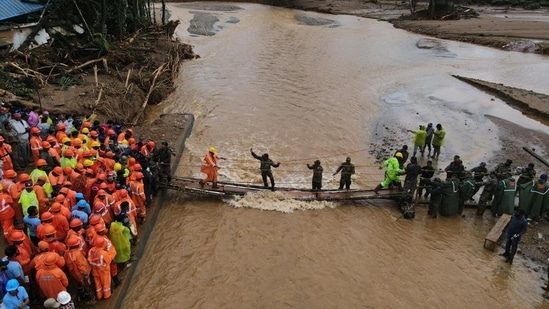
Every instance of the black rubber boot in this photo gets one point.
(379, 187)
(214, 185)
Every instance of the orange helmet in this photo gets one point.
(151, 144)
(34, 130)
(75, 223)
(73, 241)
(123, 193)
(58, 170)
(101, 192)
(24, 177)
(68, 153)
(94, 134)
(67, 170)
(55, 207)
(43, 246)
(102, 177)
(138, 175)
(77, 142)
(95, 219)
(10, 174)
(110, 154)
(79, 167)
(137, 167)
(86, 124)
(41, 162)
(64, 191)
(103, 186)
(67, 184)
(100, 227)
(45, 216)
(132, 161)
(51, 139)
(86, 154)
(110, 132)
(49, 230)
(61, 127)
(131, 141)
(46, 145)
(51, 258)
(99, 242)
(17, 235)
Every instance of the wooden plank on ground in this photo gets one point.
(496, 231)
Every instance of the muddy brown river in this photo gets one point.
(304, 86)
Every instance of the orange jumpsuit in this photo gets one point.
(61, 225)
(138, 197)
(36, 146)
(56, 180)
(84, 248)
(51, 280)
(39, 259)
(40, 230)
(100, 261)
(24, 258)
(209, 167)
(7, 214)
(78, 266)
(15, 193)
(42, 198)
(5, 151)
(132, 212)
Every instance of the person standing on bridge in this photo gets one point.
(393, 172)
(210, 167)
(317, 175)
(347, 169)
(265, 168)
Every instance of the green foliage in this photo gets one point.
(66, 81)
(101, 42)
(19, 86)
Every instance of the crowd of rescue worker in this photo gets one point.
(73, 193)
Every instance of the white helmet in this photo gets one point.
(63, 297)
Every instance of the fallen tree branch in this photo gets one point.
(157, 72)
(83, 65)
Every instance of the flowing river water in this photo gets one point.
(304, 86)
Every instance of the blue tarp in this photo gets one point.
(13, 8)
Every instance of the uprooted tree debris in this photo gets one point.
(85, 73)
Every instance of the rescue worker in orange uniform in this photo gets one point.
(24, 256)
(7, 214)
(100, 260)
(132, 210)
(77, 230)
(46, 218)
(38, 261)
(55, 245)
(60, 222)
(51, 279)
(41, 194)
(77, 265)
(60, 135)
(5, 155)
(102, 232)
(35, 144)
(138, 195)
(56, 178)
(209, 167)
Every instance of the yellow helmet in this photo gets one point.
(398, 155)
(95, 144)
(85, 130)
(87, 163)
(117, 167)
(1, 187)
(212, 149)
(65, 140)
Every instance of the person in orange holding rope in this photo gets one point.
(209, 167)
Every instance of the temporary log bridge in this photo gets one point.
(235, 189)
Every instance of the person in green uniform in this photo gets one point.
(487, 194)
(438, 141)
(504, 200)
(419, 139)
(466, 190)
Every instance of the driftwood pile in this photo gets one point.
(118, 83)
